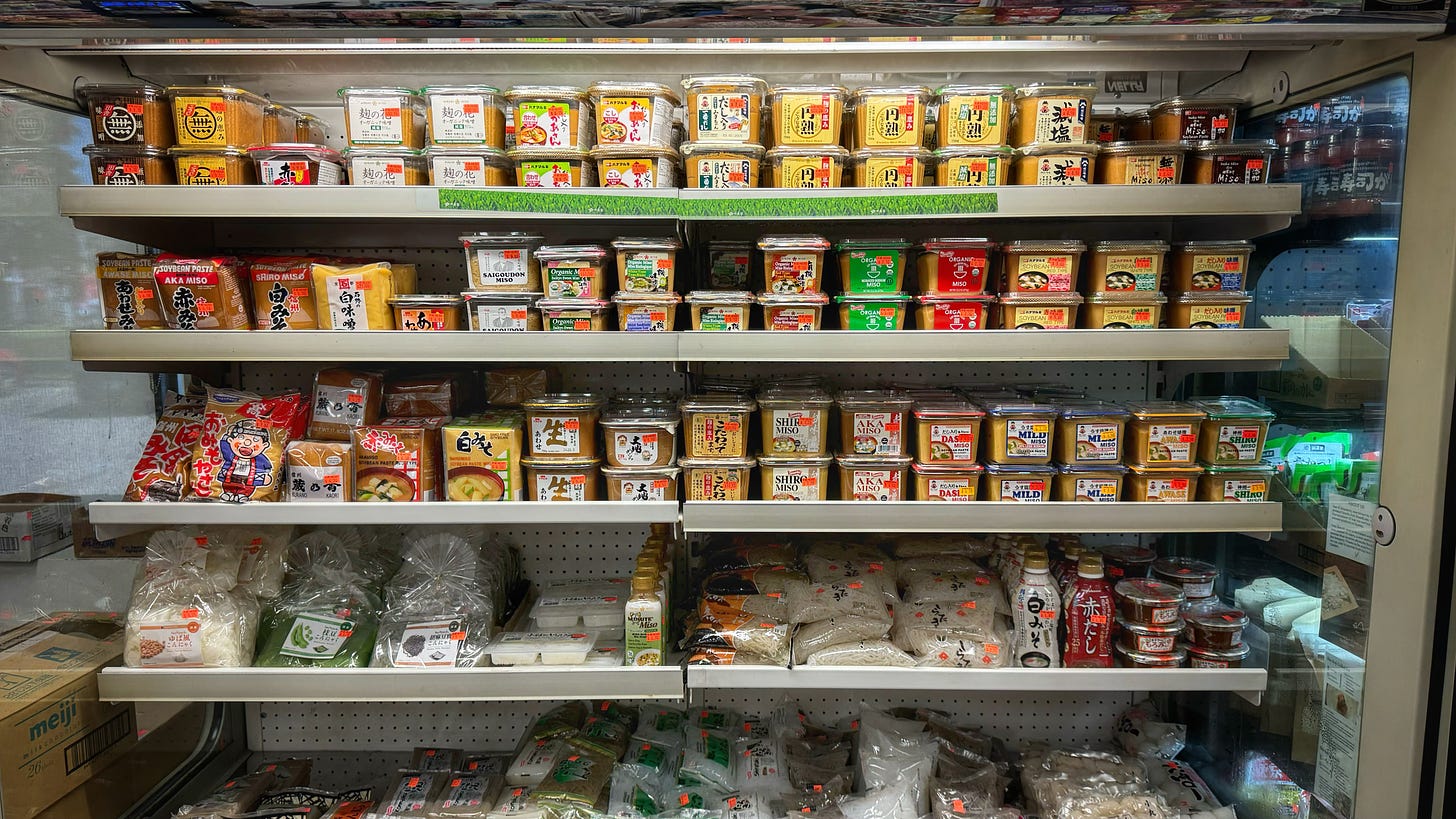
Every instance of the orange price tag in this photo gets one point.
(472, 165)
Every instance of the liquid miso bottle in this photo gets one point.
(1090, 617)
(1038, 607)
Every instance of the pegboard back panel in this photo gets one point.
(1069, 719)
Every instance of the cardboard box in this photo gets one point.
(1332, 364)
(83, 534)
(55, 732)
(33, 525)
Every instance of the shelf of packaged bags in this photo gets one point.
(978, 516)
(113, 518)
(389, 684)
(155, 350)
(1247, 682)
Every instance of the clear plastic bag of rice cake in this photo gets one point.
(812, 637)
(880, 653)
(810, 602)
(708, 759)
(754, 580)
(760, 636)
(878, 573)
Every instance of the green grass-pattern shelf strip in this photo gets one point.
(507, 200)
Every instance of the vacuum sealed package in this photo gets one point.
(238, 795)
(717, 719)
(540, 647)
(877, 574)
(469, 795)
(1181, 786)
(415, 794)
(954, 798)
(579, 778)
(750, 557)
(163, 471)
(1051, 780)
(754, 580)
(708, 759)
(893, 749)
(653, 761)
(761, 765)
(517, 803)
(436, 759)
(812, 637)
(748, 805)
(238, 456)
(1097, 805)
(929, 586)
(894, 800)
(534, 760)
(808, 602)
(761, 636)
(561, 721)
(292, 772)
(862, 653)
(327, 618)
(1140, 732)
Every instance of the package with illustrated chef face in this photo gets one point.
(239, 454)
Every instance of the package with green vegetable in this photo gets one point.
(327, 618)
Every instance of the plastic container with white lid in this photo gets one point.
(720, 310)
(295, 163)
(469, 166)
(465, 115)
(502, 261)
(541, 647)
(384, 116)
(584, 603)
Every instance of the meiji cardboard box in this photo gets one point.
(55, 732)
(33, 525)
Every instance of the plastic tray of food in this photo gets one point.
(541, 647)
(591, 604)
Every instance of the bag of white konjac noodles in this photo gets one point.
(812, 637)
(878, 573)
(809, 602)
(891, 749)
(963, 649)
(1181, 786)
(1141, 733)
(930, 586)
(862, 653)
(178, 619)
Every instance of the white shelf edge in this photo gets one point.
(116, 518)
(171, 347)
(119, 684)
(978, 516)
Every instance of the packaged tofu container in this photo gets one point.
(579, 604)
(540, 648)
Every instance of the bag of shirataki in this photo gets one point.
(357, 298)
(161, 473)
(239, 455)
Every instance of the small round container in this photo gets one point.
(1195, 119)
(890, 117)
(383, 117)
(129, 165)
(1234, 431)
(465, 115)
(469, 167)
(646, 265)
(1242, 162)
(641, 484)
(726, 108)
(973, 115)
(213, 166)
(426, 312)
(953, 312)
(386, 167)
(889, 167)
(1202, 310)
(646, 312)
(562, 480)
(1164, 484)
(794, 478)
(1018, 433)
(954, 266)
(792, 311)
(573, 271)
(553, 168)
(717, 479)
(496, 312)
(1055, 164)
(947, 431)
(562, 425)
(633, 113)
(1139, 659)
(1220, 629)
(1148, 602)
(716, 426)
(1149, 638)
(628, 166)
(729, 265)
(1202, 657)
(1128, 561)
(574, 315)
(720, 310)
(294, 163)
(934, 482)
(873, 422)
(1140, 163)
(1047, 112)
(973, 167)
(721, 165)
(1195, 577)
(1091, 484)
(794, 423)
(1107, 128)
(864, 478)
(1205, 266)
(1163, 433)
(807, 167)
(1235, 484)
(1041, 266)
(1025, 484)
(1123, 311)
(1090, 433)
(872, 265)
(639, 437)
(1124, 267)
(1039, 311)
(549, 116)
(503, 262)
(806, 114)
(878, 312)
(793, 263)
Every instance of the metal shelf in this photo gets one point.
(117, 518)
(1246, 682)
(388, 684)
(988, 516)
(157, 350)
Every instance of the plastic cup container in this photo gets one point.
(574, 315)
(633, 113)
(636, 166)
(724, 108)
(1094, 484)
(1041, 266)
(386, 167)
(807, 167)
(1123, 311)
(890, 167)
(1018, 432)
(1050, 112)
(547, 168)
(1235, 484)
(1209, 310)
(1055, 164)
(646, 312)
(1233, 432)
(716, 426)
(1163, 433)
(953, 312)
(1090, 433)
(1140, 163)
(965, 167)
(954, 266)
(792, 311)
(503, 262)
(973, 115)
(573, 271)
(297, 164)
(465, 115)
(550, 116)
(890, 116)
(1039, 311)
(641, 484)
(720, 310)
(866, 478)
(956, 484)
(477, 166)
(947, 431)
(1209, 266)
(428, 312)
(872, 265)
(1122, 267)
(721, 165)
(1164, 484)
(877, 312)
(794, 423)
(502, 312)
(560, 480)
(807, 114)
(794, 477)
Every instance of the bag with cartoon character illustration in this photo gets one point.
(161, 472)
(239, 457)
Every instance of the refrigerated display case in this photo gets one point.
(1341, 705)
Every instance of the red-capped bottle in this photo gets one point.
(1089, 617)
